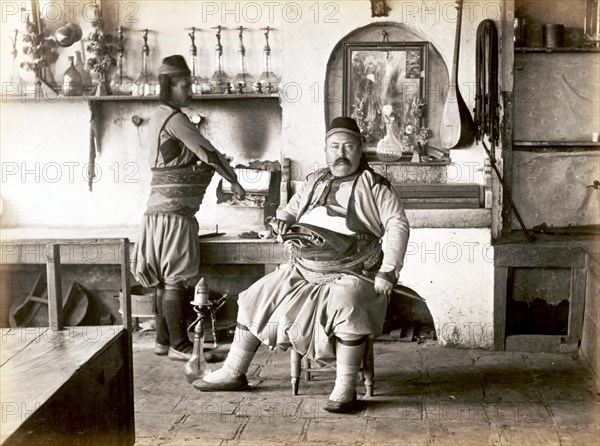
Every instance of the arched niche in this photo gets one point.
(437, 76)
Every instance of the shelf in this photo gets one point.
(557, 143)
(53, 97)
(521, 49)
(203, 97)
(554, 146)
(409, 163)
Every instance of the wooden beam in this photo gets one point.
(500, 288)
(577, 302)
(53, 271)
(126, 260)
(530, 256)
(125, 283)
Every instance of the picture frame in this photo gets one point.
(380, 78)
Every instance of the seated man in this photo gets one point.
(318, 304)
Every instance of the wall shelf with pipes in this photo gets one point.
(52, 97)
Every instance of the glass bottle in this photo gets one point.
(219, 81)
(242, 81)
(121, 84)
(197, 80)
(390, 147)
(72, 81)
(267, 82)
(14, 80)
(48, 78)
(85, 74)
(197, 367)
(146, 85)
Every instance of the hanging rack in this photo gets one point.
(487, 119)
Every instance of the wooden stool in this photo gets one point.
(367, 370)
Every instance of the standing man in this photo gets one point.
(316, 304)
(168, 252)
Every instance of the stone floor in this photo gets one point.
(425, 394)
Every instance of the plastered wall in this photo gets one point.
(453, 269)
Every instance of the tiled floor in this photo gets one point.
(424, 395)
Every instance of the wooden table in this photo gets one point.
(66, 387)
(574, 256)
(232, 250)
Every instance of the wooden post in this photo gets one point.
(53, 271)
(125, 286)
(500, 292)
(126, 309)
(577, 302)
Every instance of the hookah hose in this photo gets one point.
(212, 308)
(486, 119)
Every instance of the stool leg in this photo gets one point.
(307, 366)
(295, 368)
(369, 367)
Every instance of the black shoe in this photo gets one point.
(160, 349)
(237, 383)
(348, 406)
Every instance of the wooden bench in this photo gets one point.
(67, 385)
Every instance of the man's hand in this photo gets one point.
(383, 287)
(238, 190)
(385, 282)
(280, 226)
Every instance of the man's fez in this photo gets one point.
(174, 66)
(344, 124)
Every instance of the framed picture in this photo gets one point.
(385, 83)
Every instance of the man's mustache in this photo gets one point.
(342, 160)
